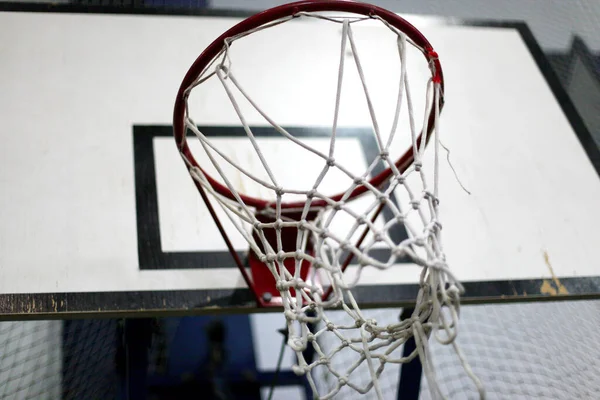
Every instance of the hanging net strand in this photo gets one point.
(286, 237)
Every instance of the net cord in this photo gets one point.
(439, 289)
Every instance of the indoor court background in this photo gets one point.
(520, 351)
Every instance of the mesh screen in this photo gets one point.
(519, 351)
(58, 359)
(30, 360)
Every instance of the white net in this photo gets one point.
(327, 229)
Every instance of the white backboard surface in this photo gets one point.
(99, 215)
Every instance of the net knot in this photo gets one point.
(330, 162)
(359, 180)
(302, 225)
(279, 191)
(311, 193)
(363, 261)
(418, 165)
(453, 291)
(330, 326)
(398, 251)
(278, 224)
(384, 154)
(342, 381)
(430, 196)
(338, 206)
(298, 370)
(438, 265)
(400, 179)
(299, 254)
(415, 204)
(292, 317)
(281, 255)
(222, 67)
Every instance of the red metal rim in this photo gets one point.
(276, 13)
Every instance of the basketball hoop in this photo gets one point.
(297, 259)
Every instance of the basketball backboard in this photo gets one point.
(99, 214)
